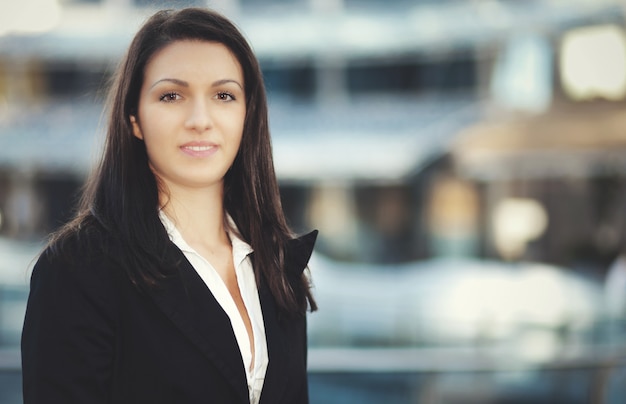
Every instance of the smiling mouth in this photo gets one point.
(198, 148)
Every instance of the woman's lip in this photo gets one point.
(199, 149)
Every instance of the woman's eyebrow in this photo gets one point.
(226, 81)
(183, 83)
(179, 82)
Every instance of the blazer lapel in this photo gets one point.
(275, 377)
(189, 304)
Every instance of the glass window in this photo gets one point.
(399, 77)
(412, 76)
(70, 79)
(448, 75)
(289, 81)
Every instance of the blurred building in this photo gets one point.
(381, 113)
(406, 131)
(549, 155)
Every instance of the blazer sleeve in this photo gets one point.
(68, 338)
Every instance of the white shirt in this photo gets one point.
(249, 293)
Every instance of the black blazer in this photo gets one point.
(90, 336)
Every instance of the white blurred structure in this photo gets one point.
(530, 308)
(615, 288)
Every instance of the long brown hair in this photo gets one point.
(122, 193)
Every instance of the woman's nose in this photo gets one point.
(199, 117)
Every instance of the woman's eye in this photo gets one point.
(223, 96)
(169, 97)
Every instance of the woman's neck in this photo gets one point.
(198, 214)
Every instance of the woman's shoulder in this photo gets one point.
(73, 287)
(82, 249)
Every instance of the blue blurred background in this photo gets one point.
(464, 161)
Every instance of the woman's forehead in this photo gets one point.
(195, 60)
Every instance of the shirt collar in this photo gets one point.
(241, 249)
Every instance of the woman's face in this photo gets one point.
(191, 113)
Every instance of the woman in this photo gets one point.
(178, 281)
